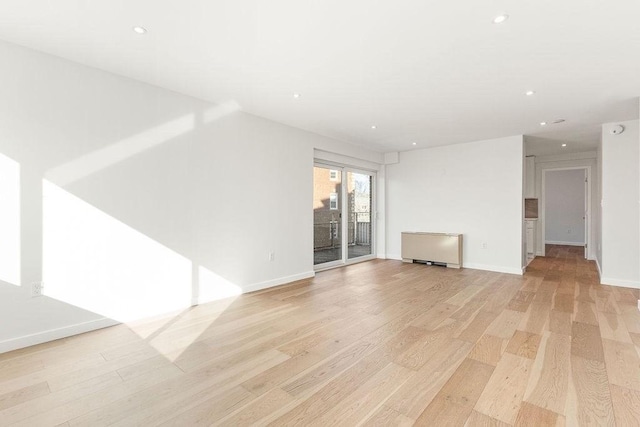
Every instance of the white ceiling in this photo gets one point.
(540, 146)
(425, 71)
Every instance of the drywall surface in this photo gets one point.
(565, 206)
(597, 210)
(621, 205)
(132, 200)
(473, 188)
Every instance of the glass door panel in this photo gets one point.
(327, 215)
(359, 208)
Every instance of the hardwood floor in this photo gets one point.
(377, 343)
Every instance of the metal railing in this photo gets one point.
(327, 234)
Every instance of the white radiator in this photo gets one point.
(442, 248)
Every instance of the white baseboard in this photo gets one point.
(396, 257)
(620, 282)
(80, 328)
(55, 334)
(277, 282)
(261, 285)
(556, 242)
(496, 268)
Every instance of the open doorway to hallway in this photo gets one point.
(565, 207)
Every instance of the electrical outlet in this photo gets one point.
(272, 256)
(568, 231)
(36, 289)
(484, 245)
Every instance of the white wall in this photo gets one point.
(473, 188)
(565, 207)
(135, 200)
(621, 205)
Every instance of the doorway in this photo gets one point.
(566, 212)
(343, 202)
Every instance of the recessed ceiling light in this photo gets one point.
(564, 145)
(543, 123)
(500, 18)
(140, 30)
(530, 93)
(296, 95)
(414, 143)
(374, 127)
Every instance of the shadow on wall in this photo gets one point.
(103, 235)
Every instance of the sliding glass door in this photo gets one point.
(343, 228)
(327, 215)
(359, 205)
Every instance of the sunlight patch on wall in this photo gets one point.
(119, 151)
(224, 109)
(9, 220)
(213, 287)
(95, 262)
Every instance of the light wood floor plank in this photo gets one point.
(480, 420)
(502, 396)
(534, 416)
(255, 411)
(488, 349)
(367, 398)
(589, 397)
(549, 380)
(586, 341)
(386, 416)
(626, 405)
(524, 344)
(623, 364)
(455, 401)
(413, 397)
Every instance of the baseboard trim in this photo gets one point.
(555, 242)
(620, 282)
(474, 266)
(495, 268)
(80, 328)
(277, 282)
(260, 286)
(55, 334)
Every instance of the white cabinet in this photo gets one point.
(529, 177)
(531, 238)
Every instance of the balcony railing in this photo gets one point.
(327, 234)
